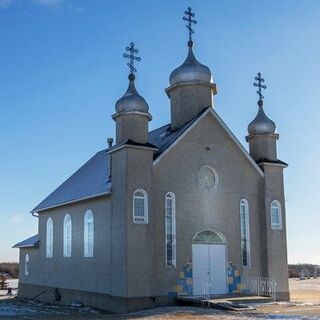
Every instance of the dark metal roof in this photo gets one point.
(163, 137)
(28, 243)
(92, 179)
(280, 162)
(130, 142)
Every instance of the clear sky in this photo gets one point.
(61, 71)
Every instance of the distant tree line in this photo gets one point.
(9, 269)
(304, 270)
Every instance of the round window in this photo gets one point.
(207, 177)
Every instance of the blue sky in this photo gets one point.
(61, 71)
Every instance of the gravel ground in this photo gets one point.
(305, 296)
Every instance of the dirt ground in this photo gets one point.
(305, 304)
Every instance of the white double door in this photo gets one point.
(209, 269)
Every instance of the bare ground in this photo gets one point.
(305, 304)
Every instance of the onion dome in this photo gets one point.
(261, 123)
(131, 100)
(190, 70)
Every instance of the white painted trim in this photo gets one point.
(224, 126)
(174, 242)
(221, 235)
(66, 240)
(26, 264)
(180, 84)
(145, 218)
(248, 242)
(87, 251)
(131, 146)
(145, 114)
(73, 201)
(216, 178)
(27, 246)
(276, 226)
(274, 164)
(49, 237)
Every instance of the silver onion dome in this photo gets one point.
(261, 124)
(190, 70)
(131, 100)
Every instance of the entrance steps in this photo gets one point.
(233, 303)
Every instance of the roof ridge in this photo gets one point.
(159, 128)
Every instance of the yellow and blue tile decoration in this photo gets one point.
(184, 286)
(234, 279)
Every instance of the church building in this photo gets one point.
(183, 210)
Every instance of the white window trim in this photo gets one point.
(67, 254)
(139, 219)
(276, 226)
(174, 243)
(49, 238)
(248, 243)
(26, 265)
(86, 244)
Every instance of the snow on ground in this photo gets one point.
(13, 283)
(18, 310)
(306, 292)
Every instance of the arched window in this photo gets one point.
(140, 206)
(245, 233)
(67, 235)
(276, 216)
(170, 229)
(209, 237)
(49, 238)
(26, 265)
(88, 234)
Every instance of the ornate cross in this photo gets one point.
(189, 15)
(259, 85)
(131, 56)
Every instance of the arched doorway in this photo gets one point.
(209, 263)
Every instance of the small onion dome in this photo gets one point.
(131, 100)
(261, 123)
(190, 70)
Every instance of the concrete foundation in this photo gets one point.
(97, 300)
(283, 296)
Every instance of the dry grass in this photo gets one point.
(305, 294)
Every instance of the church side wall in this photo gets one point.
(276, 247)
(76, 272)
(198, 208)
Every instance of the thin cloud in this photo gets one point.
(48, 2)
(17, 218)
(4, 4)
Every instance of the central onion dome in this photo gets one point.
(261, 124)
(190, 70)
(131, 100)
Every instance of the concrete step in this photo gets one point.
(227, 305)
(234, 303)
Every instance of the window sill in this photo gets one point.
(171, 267)
(277, 228)
(246, 267)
